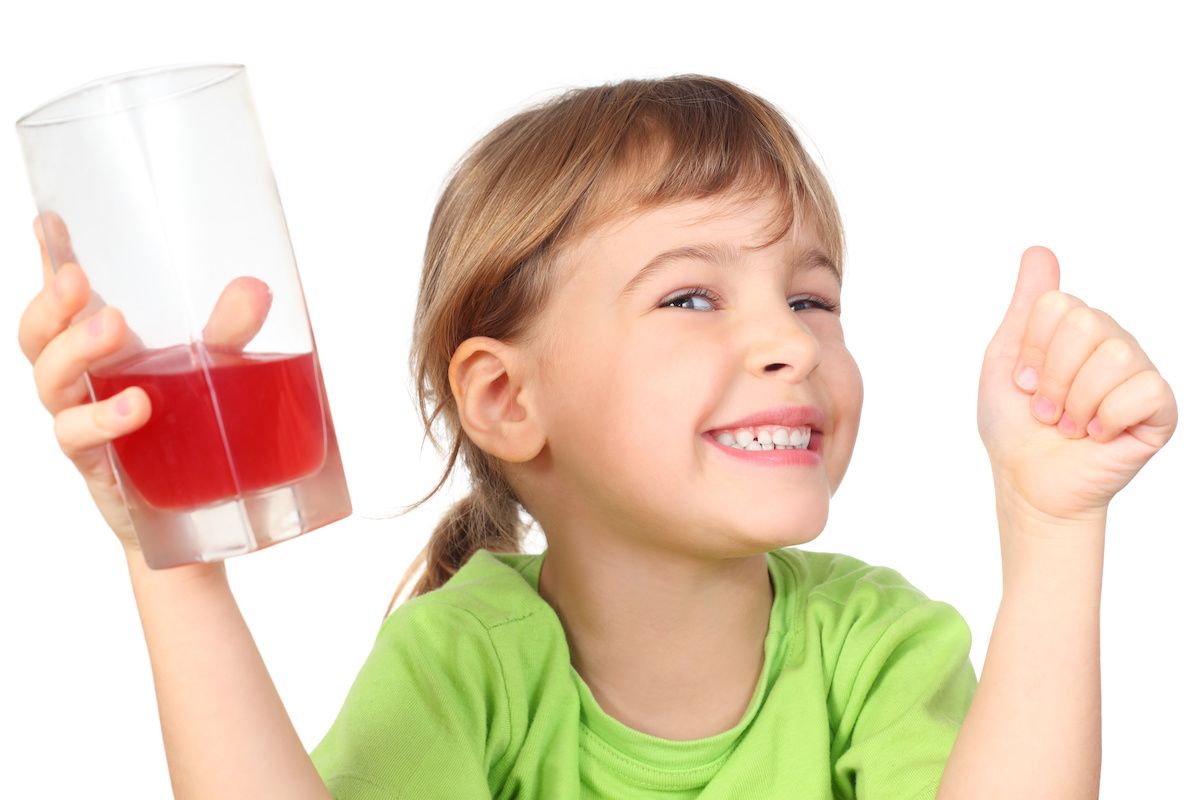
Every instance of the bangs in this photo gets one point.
(674, 152)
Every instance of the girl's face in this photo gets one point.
(629, 378)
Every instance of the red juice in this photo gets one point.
(270, 419)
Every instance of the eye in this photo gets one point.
(711, 297)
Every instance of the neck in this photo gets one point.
(669, 645)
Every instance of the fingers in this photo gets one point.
(236, 318)
(1047, 310)
(81, 428)
(60, 351)
(1079, 355)
(238, 315)
(1077, 335)
(64, 293)
(51, 311)
(58, 370)
(54, 241)
(1114, 361)
(1144, 406)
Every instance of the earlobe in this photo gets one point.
(494, 405)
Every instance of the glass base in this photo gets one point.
(243, 524)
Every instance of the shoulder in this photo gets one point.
(487, 592)
(436, 654)
(895, 667)
(837, 579)
(853, 602)
(430, 705)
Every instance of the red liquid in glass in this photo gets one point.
(270, 412)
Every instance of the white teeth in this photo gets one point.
(766, 438)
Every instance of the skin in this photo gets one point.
(656, 539)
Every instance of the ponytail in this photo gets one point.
(486, 519)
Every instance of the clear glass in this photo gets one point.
(157, 184)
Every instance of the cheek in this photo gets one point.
(616, 440)
(847, 382)
(632, 403)
(846, 397)
(663, 380)
(584, 386)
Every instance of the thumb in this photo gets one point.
(238, 315)
(1038, 274)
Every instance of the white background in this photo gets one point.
(953, 138)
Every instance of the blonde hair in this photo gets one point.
(542, 180)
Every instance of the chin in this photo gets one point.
(803, 538)
(764, 540)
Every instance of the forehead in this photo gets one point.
(745, 218)
(617, 249)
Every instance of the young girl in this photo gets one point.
(629, 324)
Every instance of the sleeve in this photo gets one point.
(425, 715)
(903, 694)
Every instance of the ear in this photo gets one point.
(494, 405)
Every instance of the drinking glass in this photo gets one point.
(157, 184)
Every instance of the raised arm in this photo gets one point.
(225, 730)
(1070, 409)
(1033, 728)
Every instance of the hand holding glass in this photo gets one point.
(169, 194)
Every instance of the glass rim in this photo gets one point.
(30, 120)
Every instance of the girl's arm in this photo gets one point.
(1033, 728)
(1070, 409)
(225, 730)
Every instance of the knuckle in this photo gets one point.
(1057, 301)
(117, 322)
(1068, 300)
(1118, 352)
(1047, 300)
(1165, 393)
(80, 327)
(24, 338)
(1083, 320)
(41, 379)
(28, 325)
(62, 427)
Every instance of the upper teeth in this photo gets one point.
(766, 437)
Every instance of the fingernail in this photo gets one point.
(123, 404)
(1027, 379)
(1094, 426)
(95, 325)
(1066, 425)
(1043, 408)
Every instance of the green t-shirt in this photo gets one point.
(469, 692)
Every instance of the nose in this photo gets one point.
(783, 344)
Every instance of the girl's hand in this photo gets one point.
(1109, 408)
(61, 354)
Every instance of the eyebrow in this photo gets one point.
(723, 254)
